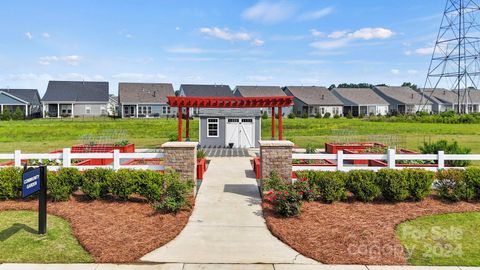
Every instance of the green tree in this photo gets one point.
(6, 115)
(18, 114)
(411, 85)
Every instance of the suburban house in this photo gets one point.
(112, 107)
(442, 99)
(361, 101)
(232, 127)
(75, 99)
(145, 99)
(403, 100)
(262, 91)
(204, 90)
(310, 100)
(27, 100)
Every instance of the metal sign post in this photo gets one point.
(35, 180)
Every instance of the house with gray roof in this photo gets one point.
(262, 91)
(403, 100)
(361, 101)
(145, 100)
(75, 99)
(204, 90)
(310, 100)
(27, 100)
(442, 99)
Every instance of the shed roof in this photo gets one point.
(405, 95)
(76, 91)
(206, 90)
(144, 92)
(29, 95)
(259, 91)
(359, 96)
(314, 95)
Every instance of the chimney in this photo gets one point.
(154, 93)
(412, 95)
(323, 97)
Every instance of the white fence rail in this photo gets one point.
(391, 157)
(66, 157)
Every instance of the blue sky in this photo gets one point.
(301, 42)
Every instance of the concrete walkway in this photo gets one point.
(227, 225)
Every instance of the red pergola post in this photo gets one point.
(179, 115)
(187, 127)
(273, 123)
(280, 124)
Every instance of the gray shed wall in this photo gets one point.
(220, 140)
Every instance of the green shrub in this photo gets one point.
(449, 148)
(176, 194)
(58, 188)
(393, 184)
(419, 182)
(336, 116)
(310, 149)
(452, 185)
(349, 115)
(265, 115)
(122, 183)
(95, 182)
(472, 177)
(305, 115)
(10, 183)
(291, 115)
(305, 190)
(72, 177)
(318, 115)
(327, 115)
(330, 185)
(18, 114)
(172, 137)
(6, 115)
(201, 153)
(363, 185)
(150, 185)
(273, 182)
(287, 203)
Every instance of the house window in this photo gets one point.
(145, 110)
(103, 110)
(234, 120)
(323, 110)
(212, 127)
(168, 109)
(164, 110)
(248, 120)
(88, 110)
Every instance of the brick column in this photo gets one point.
(182, 157)
(276, 156)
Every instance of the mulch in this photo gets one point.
(354, 232)
(113, 231)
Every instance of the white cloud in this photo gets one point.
(259, 78)
(45, 35)
(186, 50)
(330, 44)
(315, 15)
(424, 51)
(316, 33)
(337, 34)
(225, 34)
(72, 60)
(372, 33)
(139, 77)
(28, 35)
(269, 12)
(258, 42)
(395, 71)
(407, 53)
(177, 28)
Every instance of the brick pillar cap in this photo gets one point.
(275, 143)
(180, 144)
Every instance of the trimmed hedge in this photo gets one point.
(363, 185)
(10, 183)
(453, 185)
(419, 183)
(394, 184)
(95, 182)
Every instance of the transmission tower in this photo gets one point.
(455, 59)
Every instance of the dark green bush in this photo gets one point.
(305, 190)
(318, 115)
(58, 188)
(176, 194)
(95, 182)
(72, 177)
(330, 185)
(452, 185)
(472, 177)
(327, 115)
(150, 185)
(419, 182)
(122, 183)
(310, 149)
(449, 148)
(273, 182)
(291, 115)
(10, 183)
(287, 202)
(394, 184)
(18, 114)
(264, 115)
(363, 185)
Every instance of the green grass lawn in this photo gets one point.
(19, 241)
(43, 135)
(449, 239)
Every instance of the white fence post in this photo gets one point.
(391, 158)
(116, 159)
(66, 159)
(441, 160)
(17, 157)
(339, 160)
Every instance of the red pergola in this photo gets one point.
(229, 102)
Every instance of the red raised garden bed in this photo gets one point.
(102, 148)
(333, 148)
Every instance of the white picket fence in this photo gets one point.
(66, 158)
(391, 157)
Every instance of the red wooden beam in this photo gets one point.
(230, 102)
(280, 124)
(179, 115)
(273, 123)
(187, 124)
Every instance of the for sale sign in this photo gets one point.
(31, 182)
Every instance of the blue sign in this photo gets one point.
(30, 182)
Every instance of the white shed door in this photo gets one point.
(240, 132)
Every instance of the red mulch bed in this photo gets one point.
(354, 232)
(113, 231)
